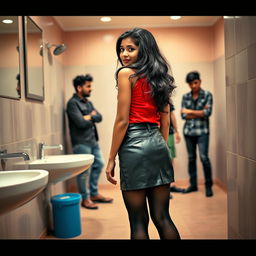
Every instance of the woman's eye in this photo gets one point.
(128, 49)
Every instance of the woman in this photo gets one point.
(144, 89)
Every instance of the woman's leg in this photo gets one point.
(158, 199)
(136, 205)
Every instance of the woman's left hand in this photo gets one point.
(177, 137)
(110, 171)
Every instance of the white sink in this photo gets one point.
(19, 187)
(63, 167)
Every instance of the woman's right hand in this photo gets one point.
(110, 171)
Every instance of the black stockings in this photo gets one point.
(158, 201)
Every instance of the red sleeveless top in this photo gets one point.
(143, 108)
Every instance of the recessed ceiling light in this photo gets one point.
(105, 19)
(7, 21)
(175, 17)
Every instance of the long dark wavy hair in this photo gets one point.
(150, 64)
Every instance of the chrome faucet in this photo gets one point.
(42, 147)
(4, 155)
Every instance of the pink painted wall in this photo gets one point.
(191, 44)
(177, 44)
(91, 47)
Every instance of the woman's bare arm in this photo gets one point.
(122, 119)
(165, 122)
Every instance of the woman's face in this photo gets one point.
(128, 51)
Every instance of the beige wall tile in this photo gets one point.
(230, 71)
(231, 119)
(241, 32)
(21, 132)
(6, 121)
(241, 67)
(252, 61)
(246, 194)
(232, 197)
(241, 163)
(252, 34)
(246, 119)
(229, 32)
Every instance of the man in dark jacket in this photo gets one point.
(82, 117)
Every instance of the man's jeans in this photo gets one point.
(93, 173)
(203, 145)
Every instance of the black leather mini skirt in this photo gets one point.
(144, 158)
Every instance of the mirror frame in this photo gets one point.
(19, 60)
(28, 94)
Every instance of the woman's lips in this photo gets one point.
(126, 61)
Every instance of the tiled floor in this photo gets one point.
(195, 216)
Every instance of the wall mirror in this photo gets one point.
(9, 57)
(33, 59)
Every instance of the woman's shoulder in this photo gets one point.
(126, 71)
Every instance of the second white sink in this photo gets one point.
(63, 167)
(18, 187)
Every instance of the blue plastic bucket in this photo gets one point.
(66, 215)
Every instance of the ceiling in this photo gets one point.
(75, 23)
(9, 28)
